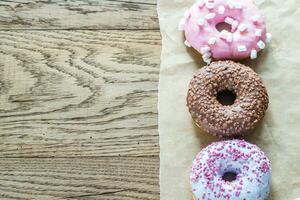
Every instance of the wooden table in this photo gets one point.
(78, 99)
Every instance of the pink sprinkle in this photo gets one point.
(264, 167)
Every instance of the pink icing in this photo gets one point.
(248, 31)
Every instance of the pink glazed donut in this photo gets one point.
(245, 39)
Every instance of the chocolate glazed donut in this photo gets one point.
(206, 98)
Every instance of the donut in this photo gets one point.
(245, 37)
(230, 170)
(221, 116)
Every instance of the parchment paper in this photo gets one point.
(279, 133)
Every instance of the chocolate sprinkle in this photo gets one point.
(227, 120)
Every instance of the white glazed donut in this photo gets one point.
(245, 161)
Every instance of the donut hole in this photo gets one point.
(223, 26)
(226, 97)
(229, 176)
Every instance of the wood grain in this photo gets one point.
(78, 117)
(78, 93)
(79, 14)
(80, 178)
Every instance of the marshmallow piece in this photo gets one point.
(187, 14)
(200, 3)
(269, 37)
(210, 16)
(206, 56)
(208, 61)
(212, 41)
(253, 54)
(221, 10)
(242, 27)
(241, 48)
(229, 37)
(261, 44)
(255, 18)
(229, 20)
(238, 5)
(187, 43)
(223, 34)
(258, 32)
(209, 5)
(201, 22)
(234, 25)
(181, 24)
(205, 49)
(230, 4)
(234, 4)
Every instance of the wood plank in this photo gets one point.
(78, 93)
(80, 178)
(82, 14)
